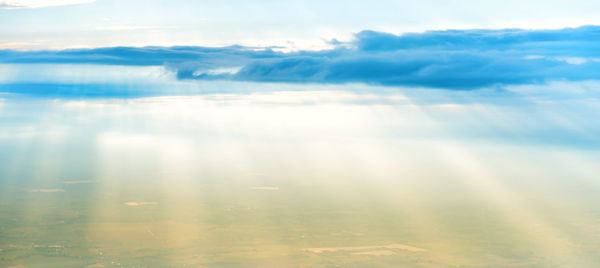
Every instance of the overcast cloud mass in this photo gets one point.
(452, 59)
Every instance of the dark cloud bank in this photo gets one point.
(453, 59)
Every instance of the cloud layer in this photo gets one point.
(453, 59)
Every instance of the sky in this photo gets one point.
(385, 89)
(294, 25)
(448, 59)
(458, 45)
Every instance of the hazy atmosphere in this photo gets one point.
(299, 133)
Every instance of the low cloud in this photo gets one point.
(452, 59)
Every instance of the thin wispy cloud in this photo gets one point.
(13, 4)
(453, 59)
(15, 45)
(133, 27)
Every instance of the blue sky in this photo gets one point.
(293, 24)
(500, 98)
(464, 45)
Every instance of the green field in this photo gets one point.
(224, 223)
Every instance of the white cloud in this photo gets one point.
(15, 45)
(218, 71)
(569, 60)
(133, 27)
(572, 60)
(10, 4)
